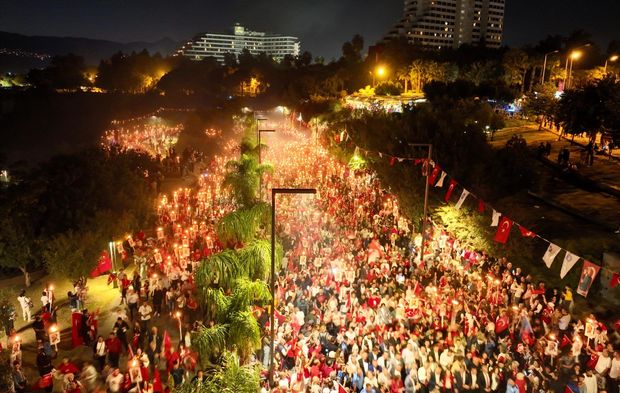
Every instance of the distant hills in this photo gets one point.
(22, 52)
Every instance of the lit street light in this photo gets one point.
(575, 54)
(274, 192)
(610, 59)
(380, 72)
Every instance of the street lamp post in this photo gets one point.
(274, 192)
(429, 146)
(609, 59)
(542, 78)
(260, 178)
(380, 71)
(573, 55)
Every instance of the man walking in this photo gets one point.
(26, 304)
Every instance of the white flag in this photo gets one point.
(440, 182)
(569, 261)
(496, 216)
(462, 199)
(550, 254)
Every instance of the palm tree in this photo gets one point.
(236, 328)
(243, 178)
(403, 75)
(231, 377)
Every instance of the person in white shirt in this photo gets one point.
(590, 382)
(614, 372)
(145, 311)
(100, 352)
(89, 376)
(114, 381)
(603, 364)
(26, 305)
(45, 301)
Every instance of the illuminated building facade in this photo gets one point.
(217, 45)
(451, 23)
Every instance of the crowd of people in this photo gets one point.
(358, 308)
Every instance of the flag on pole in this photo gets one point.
(503, 230)
(450, 189)
(550, 254)
(441, 179)
(615, 280)
(464, 195)
(433, 175)
(495, 219)
(588, 274)
(525, 232)
(570, 260)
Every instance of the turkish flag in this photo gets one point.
(501, 324)
(480, 206)
(615, 280)
(392, 160)
(503, 230)
(565, 341)
(450, 189)
(434, 174)
(525, 232)
(341, 389)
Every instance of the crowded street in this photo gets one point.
(357, 307)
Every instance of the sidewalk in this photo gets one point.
(604, 170)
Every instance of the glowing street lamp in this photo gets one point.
(610, 59)
(575, 54)
(380, 71)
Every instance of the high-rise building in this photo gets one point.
(451, 23)
(217, 44)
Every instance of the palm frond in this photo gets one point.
(246, 293)
(211, 341)
(255, 259)
(220, 269)
(244, 334)
(237, 227)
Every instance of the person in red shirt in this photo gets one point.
(66, 367)
(114, 348)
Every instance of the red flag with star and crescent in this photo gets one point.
(526, 232)
(503, 230)
(450, 189)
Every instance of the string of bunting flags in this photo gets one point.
(437, 177)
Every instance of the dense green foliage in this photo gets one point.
(65, 211)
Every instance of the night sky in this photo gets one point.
(322, 25)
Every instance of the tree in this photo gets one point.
(388, 89)
(352, 50)
(516, 65)
(231, 376)
(64, 72)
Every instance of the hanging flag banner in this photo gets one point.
(588, 273)
(480, 206)
(570, 260)
(392, 161)
(495, 219)
(450, 189)
(615, 280)
(441, 179)
(434, 174)
(464, 195)
(503, 230)
(550, 254)
(525, 232)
